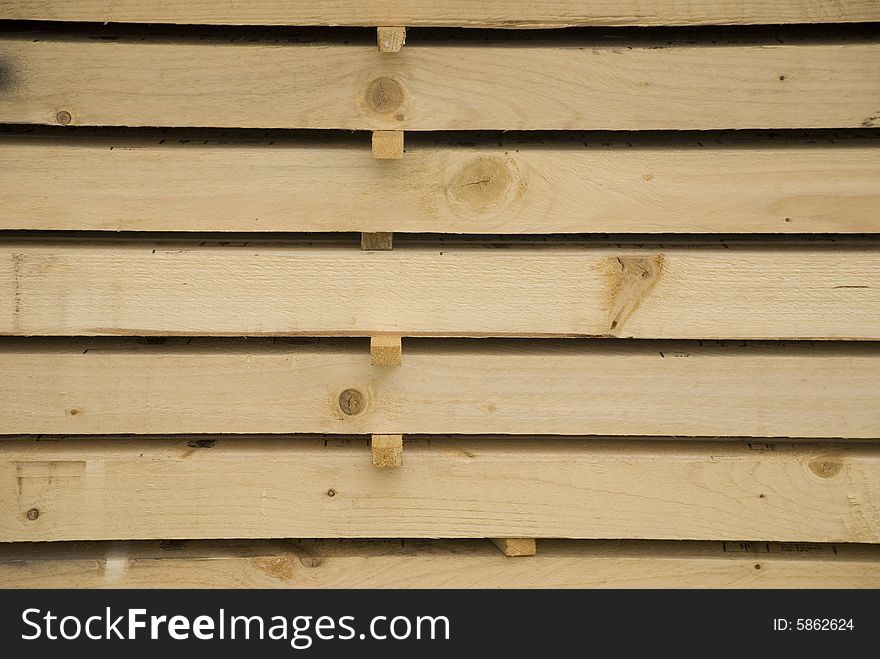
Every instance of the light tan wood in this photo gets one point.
(436, 564)
(377, 241)
(386, 350)
(387, 450)
(248, 487)
(516, 546)
(440, 86)
(820, 290)
(590, 387)
(387, 144)
(466, 13)
(259, 182)
(391, 39)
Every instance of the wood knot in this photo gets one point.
(352, 402)
(33, 514)
(631, 280)
(486, 184)
(384, 95)
(64, 117)
(825, 467)
(312, 561)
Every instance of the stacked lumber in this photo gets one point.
(333, 294)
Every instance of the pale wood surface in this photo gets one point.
(616, 387)
(467, 13)
(266, 182)
(248, 487)
(446, 85)
(436, 564)
(820, 290)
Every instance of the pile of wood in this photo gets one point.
(604, 289)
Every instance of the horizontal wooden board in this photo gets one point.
(506, 85)
(437, 564)
(721, 291)
(590, 386)
(102, 488)
(486, 13)
(270, 182)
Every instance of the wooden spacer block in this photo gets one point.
(387, 144)
(387, 450)
(516, 546)
(386, 350)
(379, 241)
(390, 39)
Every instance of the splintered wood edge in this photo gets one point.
(387, 144)
(378, 241)
(390, 39)
(386, 350)
(387, 450)
(516, 546)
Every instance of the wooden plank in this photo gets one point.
(678, 290)
(590, 387)
(486, 13)
(133, 81)
(248, 487)
(436, 564)
(268, 182)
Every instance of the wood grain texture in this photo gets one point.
(486, 13)
(674, 291)
(445, 86)
(571, 387)
(94, 489)
(436, 564)
(192, 182)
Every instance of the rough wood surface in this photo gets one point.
(387, 144)
(387, 450)
(377, 241)
(716, 183)
(516, 546)
(573, 387)
(248, 487)
(390, 39)
(436, 564)
(732, 290)
(386, 350)
(466, 13)
(442, 86)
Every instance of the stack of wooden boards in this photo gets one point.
(243, 254)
